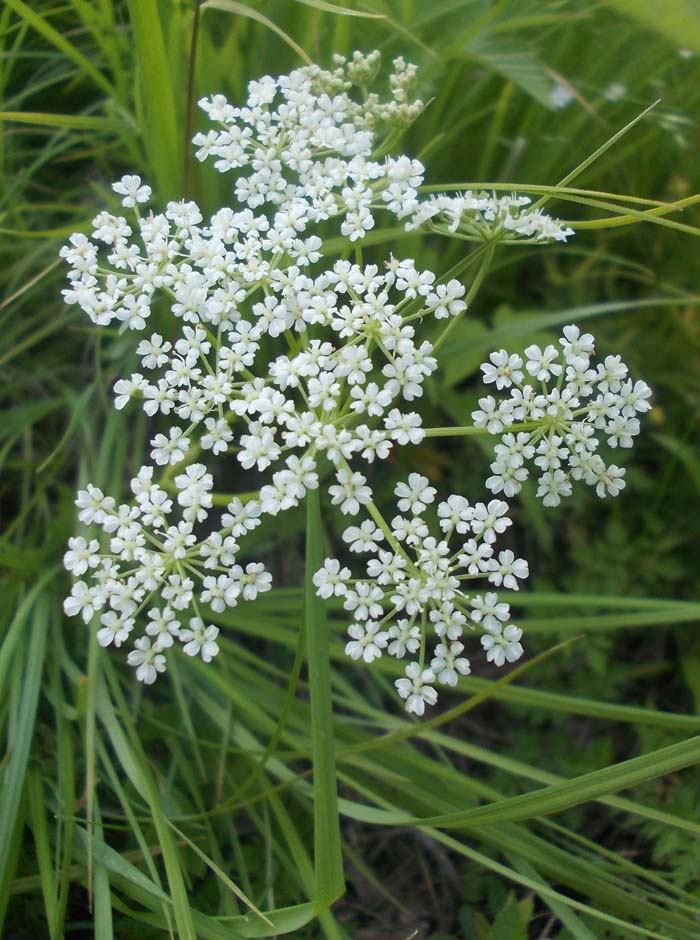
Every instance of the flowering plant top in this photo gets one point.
(308, 369)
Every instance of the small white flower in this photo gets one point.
(366, 641)
(541, 362)
(330, 580)
(416, 688)
(351, 491)
(506, 570)
(415, 495)
(448, 665)
(147, 660)
(200, 640)
(115, 629)
(81, 555)
(82, 600)
(405, 638)
(502, 369)
(363, 538)
(132, 190)
(163, 626)
(503, 645)
(560, 430)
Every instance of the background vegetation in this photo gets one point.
(189, 810)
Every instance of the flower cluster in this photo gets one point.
(556, 419)
(419, 585)
(484, 217)
(297, 365)
(302, 141)
(156, 566)
(245, 280)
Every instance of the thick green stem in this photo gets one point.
(328, 857)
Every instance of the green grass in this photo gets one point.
(206, 807)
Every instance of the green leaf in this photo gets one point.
(28, 678)
(507, 925)
(41, 24)
(242, 9)
(579, 790)
(326, 7)
(677, 20)
(328, 856)
(81, 122)
(468, 344)
(160, 120)
(514, 61)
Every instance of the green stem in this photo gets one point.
(454, 432)
(465, 430)
(471, 294)
(189, 102)
(328, 857)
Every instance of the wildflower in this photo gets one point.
(560, 428)
(422, 585)
(415, 688)
(301, 366)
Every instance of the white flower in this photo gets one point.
(148, 661)
(503, 645)
(502, 369)
(200, 640)
(415, 495)
(351, 491)
(330, 580)
(489, 520)
(506, 570)
(406, 428)
(541, 363)
(416, 688)
(250, 582)
(81, 555)
(447, 663)
(560, 428)
(171, 449)
(364, 601)
(405, 637)
(422, 585)
(363, 538)
(163, 626)
(131, 189)
(553, 485)
(294, 361)
(93, 505)
(366, 641)
(115, 629)
(82, 600)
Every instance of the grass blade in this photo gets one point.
(328, 859)
(163, 144)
